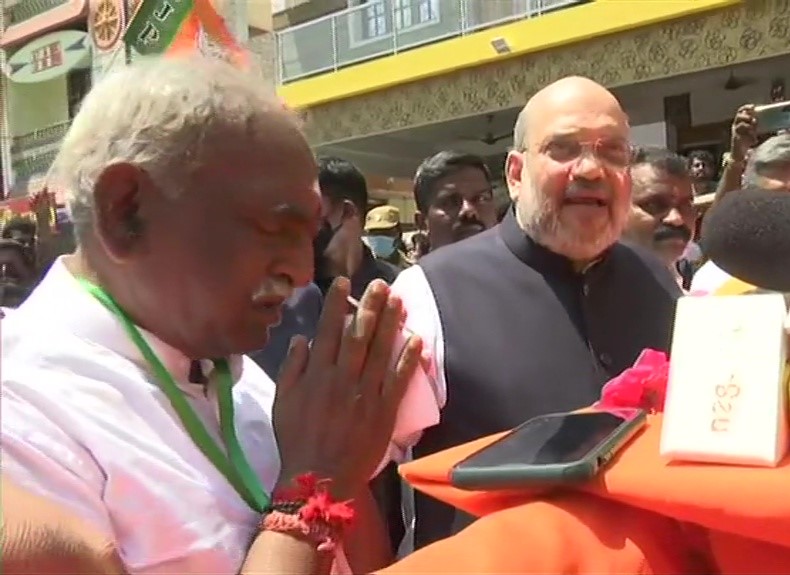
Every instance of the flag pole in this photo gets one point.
(127, 49)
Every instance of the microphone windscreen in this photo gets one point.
(747, 234)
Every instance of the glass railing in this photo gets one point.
(380, 28)
(26, 9)
(38, 138)
(34, 164)
(33, 153)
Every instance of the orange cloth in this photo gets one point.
(641, 515)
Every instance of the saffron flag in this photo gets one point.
(158, 24)
(175, 27)
(216, 29)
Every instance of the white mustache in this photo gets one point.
(273, 288)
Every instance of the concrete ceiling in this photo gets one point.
(399, 153)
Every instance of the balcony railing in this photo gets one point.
(38, 138)
(33, 153)
(34, 164)
(380, 28)
(26, 9)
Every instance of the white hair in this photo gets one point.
(159, 115)
(772, 154)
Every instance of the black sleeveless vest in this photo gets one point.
(526, 335)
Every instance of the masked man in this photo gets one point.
(385, 236)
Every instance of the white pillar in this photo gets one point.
(238, 22)
(5, 126)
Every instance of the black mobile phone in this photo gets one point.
(548, 450)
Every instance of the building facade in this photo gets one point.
(52, 51)
(386, 83)
(45, 53)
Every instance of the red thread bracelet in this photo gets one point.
(308, 510)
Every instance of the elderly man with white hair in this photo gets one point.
(768, 167)
(126, 396)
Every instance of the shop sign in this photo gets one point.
(49, 57)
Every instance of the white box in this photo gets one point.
(726, 398)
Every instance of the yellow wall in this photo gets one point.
(558, 28)
(35, 106)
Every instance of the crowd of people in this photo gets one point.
(234, 317)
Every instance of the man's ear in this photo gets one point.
(119, 224)
(349, 211)
(514, 166)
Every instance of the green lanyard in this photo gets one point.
(234, 466)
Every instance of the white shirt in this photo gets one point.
(427, 392)
(693, 252)
(708, 279)
(84, 423)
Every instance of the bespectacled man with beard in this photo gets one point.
(534, 315)
(454, 197)
(663, 214)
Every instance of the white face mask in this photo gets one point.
(382, 246)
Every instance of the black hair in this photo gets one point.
(438, 167)
(661, 159)
(341, 180)
(19, 224)
(703, 155)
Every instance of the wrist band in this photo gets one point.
(308, 511)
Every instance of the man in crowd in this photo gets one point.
(384, 235)
(338, 247)
(534, 315)
(300, 315)
(194, 204)
(702, 169)
(454, 196)
(22, 230)
(768, 167)
(663, 214)
(34, 241)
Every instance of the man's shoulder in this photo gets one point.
(51, 360)
(59, 383)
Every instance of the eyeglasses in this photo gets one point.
(613, 152)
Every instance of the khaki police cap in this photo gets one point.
(382, 218)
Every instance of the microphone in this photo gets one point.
(747, 234)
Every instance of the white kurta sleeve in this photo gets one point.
(39, 456)
(427, 391)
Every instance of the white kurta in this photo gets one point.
(84, 423)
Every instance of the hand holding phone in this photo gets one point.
(773, 117)
(550, 450)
